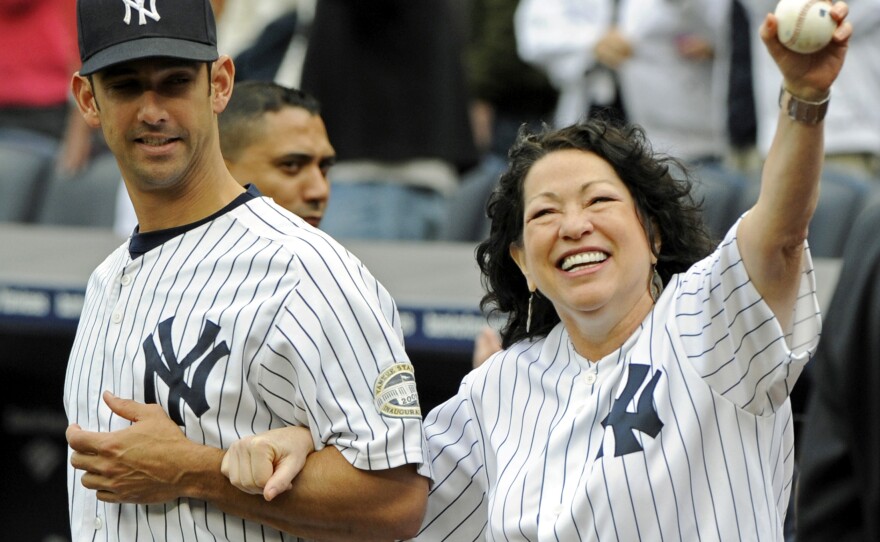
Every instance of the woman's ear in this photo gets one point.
(518, 255)
(656, 242)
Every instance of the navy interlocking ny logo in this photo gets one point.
(172, 372)
(644, 419)
(142, 10)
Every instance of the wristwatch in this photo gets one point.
(802, 110)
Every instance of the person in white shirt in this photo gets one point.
(670, 62)
(852, 127)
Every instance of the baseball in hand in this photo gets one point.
(805, 26)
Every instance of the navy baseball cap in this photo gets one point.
(115, 31)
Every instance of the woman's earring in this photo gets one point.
(656, 284)
(529, 314)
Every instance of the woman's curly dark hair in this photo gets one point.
(664, 204)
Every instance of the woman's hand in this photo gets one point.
(267, 463)
(809, 76)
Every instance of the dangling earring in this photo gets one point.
(656, 284)
(529, 314)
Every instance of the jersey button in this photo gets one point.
(125, 280)
(98, 524)
(116, 318)
(590, 378)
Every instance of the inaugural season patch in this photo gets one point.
(395, 392)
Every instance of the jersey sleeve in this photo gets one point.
(457, 503)
(336, 363)
(732, 338)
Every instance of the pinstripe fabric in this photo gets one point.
(521, 452)
(278, 323)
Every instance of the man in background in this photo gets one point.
(273, 137)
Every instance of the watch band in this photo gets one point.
(802, 110)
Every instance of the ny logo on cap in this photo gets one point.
(142, 10)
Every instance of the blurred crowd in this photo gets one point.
(421, 101)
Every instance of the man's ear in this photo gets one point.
(222, 81)
(518, 256)
(84, 96)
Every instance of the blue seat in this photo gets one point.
(466, 219)
(842, 196)
(87, 199)
(26, 161)
(719, 189)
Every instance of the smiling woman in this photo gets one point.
(643, 389)
(593, 167)
(633, 354)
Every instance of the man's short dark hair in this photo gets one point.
(241, 121)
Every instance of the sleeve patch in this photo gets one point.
(395, 394)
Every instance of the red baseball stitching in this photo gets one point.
(799, 24)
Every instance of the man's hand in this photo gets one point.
(153, 462)
(487, 343)
(613, 49)
(267, 463)
(694, 47)
(141, 464)
(76, 146)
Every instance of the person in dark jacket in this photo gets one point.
(838, 493)
(389, 76)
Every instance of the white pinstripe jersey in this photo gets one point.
(249, 322)
(684, 433)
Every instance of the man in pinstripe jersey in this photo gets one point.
(642, 392)
(224, 316)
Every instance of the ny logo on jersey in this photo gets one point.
(143, 12)
(644, 419)
(173, 372)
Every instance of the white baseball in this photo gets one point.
(805, 26)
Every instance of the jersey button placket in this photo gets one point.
(116, 317)
(588, 377)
